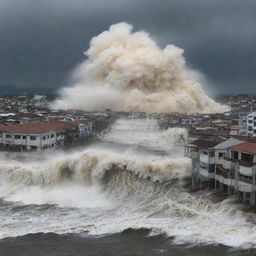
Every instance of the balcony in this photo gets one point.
(8, 141)
(247, 171)
(206, 159)
(205, 173)
(228, 163)
(246, 164)
(245, 180)
(225, 172)
(224, 176)
(246, 187)
(246, 168)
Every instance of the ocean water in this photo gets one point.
(126, 195)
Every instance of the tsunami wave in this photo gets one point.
(105, 190)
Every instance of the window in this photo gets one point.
(52, 135)
(53, 145)
(247, 157)
(32, 137)
(33, 147)
(44, 137)
(17, 137)
(8, 136)
(211, 154)
(221, 154)
(24, 137)
(250, 128)
(234, 155)
(250, 121)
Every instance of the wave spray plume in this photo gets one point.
(128, 71)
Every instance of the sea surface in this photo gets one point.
(127, 194)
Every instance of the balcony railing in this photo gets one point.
(228, 174)
(246, 164)
(246, 180)
(229, 159)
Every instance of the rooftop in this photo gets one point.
(37, 128)
(246, 147)
(203, 143)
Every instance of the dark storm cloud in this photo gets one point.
(41, 41)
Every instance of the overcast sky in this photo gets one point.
(42, 41)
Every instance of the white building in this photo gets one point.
(247, 124)
(244, 157)
(243, 123)
(34, 136)
(234, 164)
(224, 166)
(251, 124)
(85, 127)
(202, 153)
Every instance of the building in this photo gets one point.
(243, 123)
(251, 124)
(228, 166)
(202, 153)
(225, 167)
(243, 157)
(247, 124)
(35, 136)
(85, 127)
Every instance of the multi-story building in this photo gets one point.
(225, 166)
(35, 136)
(244, 157)
(247, 124)
(230, 165)
(251, 124)
(202, 153)
(242, 122)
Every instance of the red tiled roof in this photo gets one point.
(36, 128)
(246, 147)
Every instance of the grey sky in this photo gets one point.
(42, 41)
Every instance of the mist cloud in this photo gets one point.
(126, 70)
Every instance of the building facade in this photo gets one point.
(230, 166)
(251, 124)
(35, 136)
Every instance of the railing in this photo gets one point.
(228, 174)
(229, 159)
(246, 164)
(246, 180)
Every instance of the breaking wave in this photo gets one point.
(103, 190)
(128, 71)
(91, 166)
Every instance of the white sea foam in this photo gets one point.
(107, 190)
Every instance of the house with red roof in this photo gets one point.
(35, 136)
(244, 157)
(227, 165)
